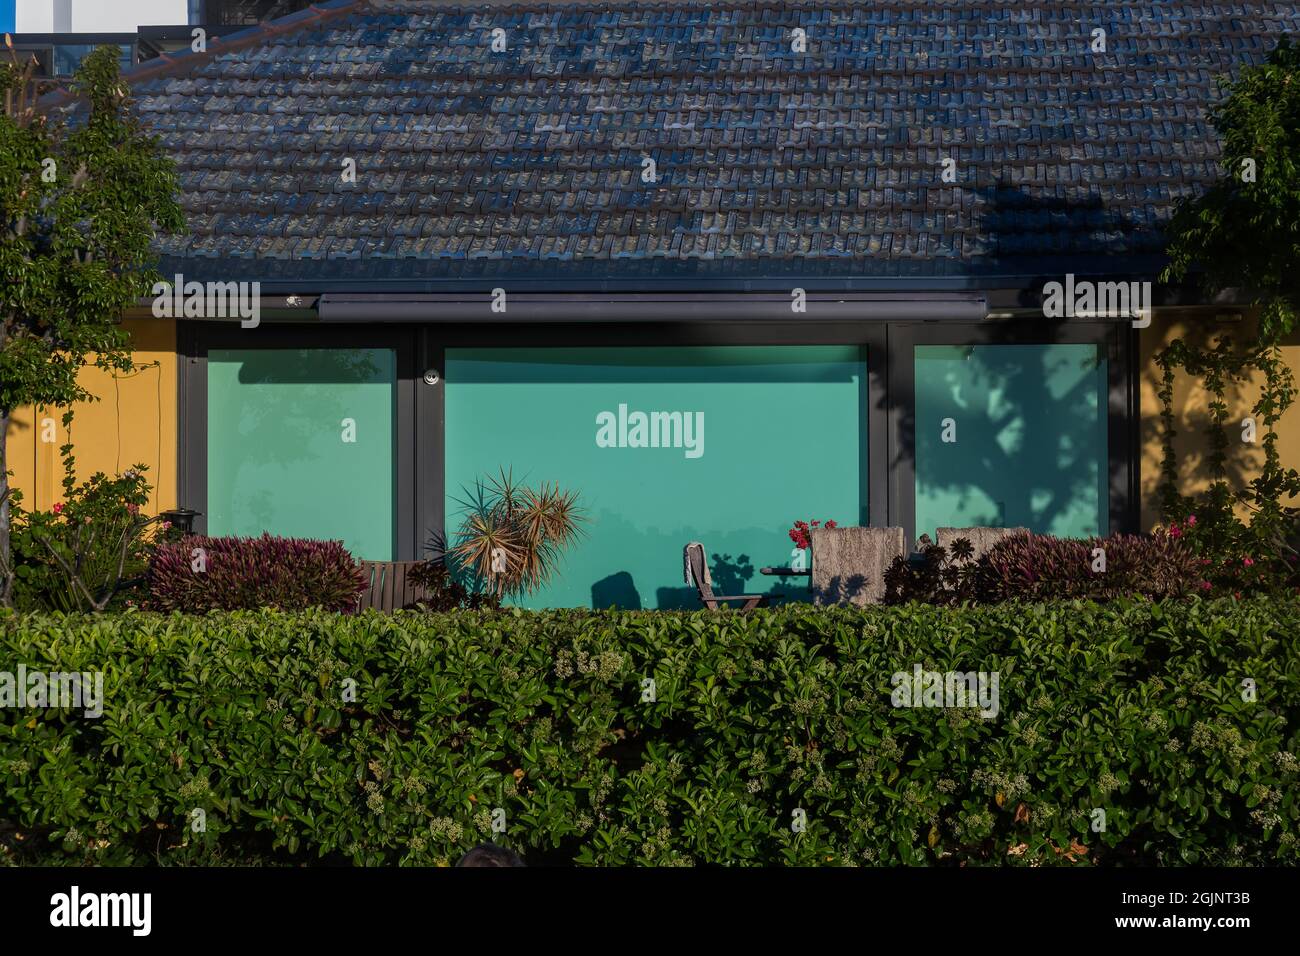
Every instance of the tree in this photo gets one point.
(81, 202)
(1244, 232)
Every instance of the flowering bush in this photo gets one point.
(801, 533)
(198, 574)
(88, 550)
(1232, 561)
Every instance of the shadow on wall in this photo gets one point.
(1192, 416)
(1028, 424)
(616, 591)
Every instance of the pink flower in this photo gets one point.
(1248, 562)
(57, 508)
(134, 509)
(166, 525)
(1206, 585)
(1191, 520)
(1175, 532)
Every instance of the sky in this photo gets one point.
(6, 15)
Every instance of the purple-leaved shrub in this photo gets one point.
(198, 574)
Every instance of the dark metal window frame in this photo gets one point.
(420, 415)
(1117, 343)
(195, 339)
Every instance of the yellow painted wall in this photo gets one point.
(134, 422)
(1191, 409)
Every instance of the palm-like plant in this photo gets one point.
(512, 536)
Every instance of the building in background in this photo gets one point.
(95, 16)
(60, 33)
(127, 16)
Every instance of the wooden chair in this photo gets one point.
(698, 568)
(387, 587)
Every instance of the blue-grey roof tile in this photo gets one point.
(472, 163)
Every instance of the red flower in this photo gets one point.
(1248, 562)
(57, 507)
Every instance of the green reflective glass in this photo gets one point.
(764, 436)
(301, 444)
(1011, 436)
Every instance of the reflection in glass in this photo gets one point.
(301, 444)
(1011, 436)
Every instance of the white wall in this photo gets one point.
(97, 16)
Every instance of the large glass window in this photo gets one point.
(1012, 436)
(68, 57)
(301, 444)
(727, 446)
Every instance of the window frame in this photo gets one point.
(196, 339)
(1116, 340)
(889, 483)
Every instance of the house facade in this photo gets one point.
(714, 267)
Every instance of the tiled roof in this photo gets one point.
(769, 161)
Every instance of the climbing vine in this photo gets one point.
(1215, 520)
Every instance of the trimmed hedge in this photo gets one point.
(1132, 708)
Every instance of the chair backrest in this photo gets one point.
(849, 564)
(697, 561)
(388, 588)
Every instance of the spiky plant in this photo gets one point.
(512, 536)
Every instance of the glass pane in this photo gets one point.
(67, 57)
(1011, 436)
(768, 436)
(301, 443)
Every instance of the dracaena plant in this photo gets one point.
(512, 536)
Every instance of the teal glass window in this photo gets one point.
(301, 444)
(1012, 436)
(764, 436)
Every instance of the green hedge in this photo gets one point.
(1132, 708)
